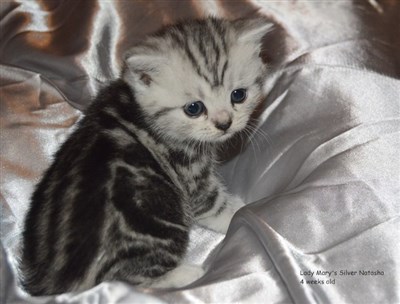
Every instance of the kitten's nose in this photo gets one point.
(223, 125)
(222, 119)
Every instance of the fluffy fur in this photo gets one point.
(122, 192)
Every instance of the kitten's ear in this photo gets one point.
(141, 65)
(252, 30)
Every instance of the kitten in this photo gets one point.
(124, 189)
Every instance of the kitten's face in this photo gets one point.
(199, 82)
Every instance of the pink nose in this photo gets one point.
(222, 120)
(223, 126)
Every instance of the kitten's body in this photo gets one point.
(119, 199)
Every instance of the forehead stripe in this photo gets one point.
(206, 62)
(223, 72)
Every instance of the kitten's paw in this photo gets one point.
(180, 276)
(221, 221)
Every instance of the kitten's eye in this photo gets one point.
(238, 95)
(194, 109)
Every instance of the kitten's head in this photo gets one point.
(199, 80)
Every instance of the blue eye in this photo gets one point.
(194, 109)
(238, 95)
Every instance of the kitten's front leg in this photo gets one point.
(217, 208)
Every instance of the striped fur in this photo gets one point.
(122, 192)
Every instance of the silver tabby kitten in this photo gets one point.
(124, 189)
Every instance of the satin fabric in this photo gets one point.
(320, 176)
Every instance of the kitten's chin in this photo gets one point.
(210, 140)
(224, 137)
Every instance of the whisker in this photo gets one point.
(248, 135)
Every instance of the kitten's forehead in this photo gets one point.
(210, 50)
(203, 47)
(235, 71)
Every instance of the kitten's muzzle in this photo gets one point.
(223, 126)
(222, 120)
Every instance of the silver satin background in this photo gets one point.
(321, 177)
